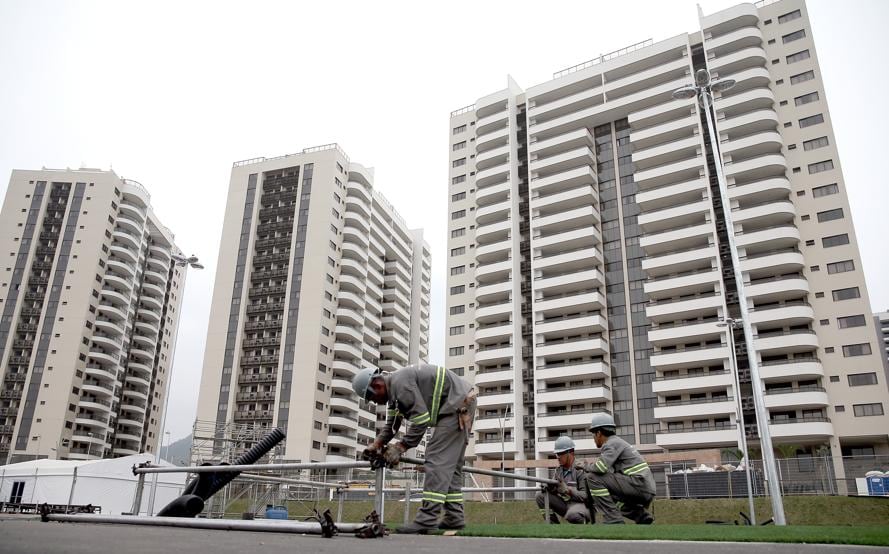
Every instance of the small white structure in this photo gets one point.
(107, 483)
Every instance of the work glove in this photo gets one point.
(373, 450)
(563, 490)
(393, 453)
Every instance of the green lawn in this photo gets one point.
(864, 535)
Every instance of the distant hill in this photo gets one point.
(178, 452)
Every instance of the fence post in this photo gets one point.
(407, 503)
(546, 506)
(341, 498)
(380, 502)
(137, 499)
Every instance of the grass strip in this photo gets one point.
(816, 534)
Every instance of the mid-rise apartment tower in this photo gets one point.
(318, 276)
(90, 298)
(588, 251)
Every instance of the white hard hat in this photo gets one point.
(361, 381)
(563, 444)
(602, 420)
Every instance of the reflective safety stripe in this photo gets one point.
(600, 492)
(454, 497)
(635, 469)
(436, 394)
(420, 419)
(393, 413)
(619, 504)
(600, 465)
(437, 497)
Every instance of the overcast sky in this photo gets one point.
(171, 93)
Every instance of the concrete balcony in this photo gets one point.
(489, 448)
(747, 101)
(493, 157)
(561, 143)
(709, 437)
(801, 429)
(575, 348)
(675, 216)
(348, 422)
(492, 270)
(679, 261)
(559, 326)
(490, 250)
(491, 139)
(572, 371)
(126, 254)
(343, 441)
(647, 78)
(141, 369)
(549, 420)
(671, 284)
(344, 403)
(493, 231)
(100, 374)
(567, 239)
(345, 367)
(771, 189)
(582, 443)
(350, 332)
(561, 395)
(565, 180)
(684, 333)
(805, 398)
(689, 357)
(803, 340)
(666, 153)
(493, 423)
(760, 167)
(666, 111)
(740, 38)
(490, 355)
(789, 314)
(491, 400)
(563, 161)
(668, 131)
(679, 238)
(127, 238)
(794, 368)
(772, 289)
(749, 122)
(555, 284)
(497, 290)
(757, 144)
(768, 214)
(492, 201)
(778, 262)
(569, 260)
(100, 422)
(780, 236)
(731, 63)
(494, 376)
(583, 195)
(492, 175)
(348, 316)
(683, 170)
(568, 303)
(557, 108)
(692, 410)
(99, 390)
(491, 122)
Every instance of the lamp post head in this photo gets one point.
(702, 77)
(685, 93)
(723, 85)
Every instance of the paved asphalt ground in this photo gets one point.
(30, 536)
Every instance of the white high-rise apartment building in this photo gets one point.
(588, 259)
(90, 301)
(318, 276)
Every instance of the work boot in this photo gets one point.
(646, 518)
(413, 529)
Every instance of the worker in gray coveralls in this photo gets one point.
(567, 498)
(620, 483)
(427, 396)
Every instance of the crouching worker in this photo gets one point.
(619, 483)
(565, 499)
(426, 396)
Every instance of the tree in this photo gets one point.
(787, 450)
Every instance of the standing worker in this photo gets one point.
(620, 483)
(427, 396)
(566, 499)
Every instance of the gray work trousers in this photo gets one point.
(443, 485)
(616, 495)
(572, 511)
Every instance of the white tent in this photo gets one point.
(107, 483)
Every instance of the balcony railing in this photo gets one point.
(691, 375)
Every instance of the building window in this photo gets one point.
(455, 351)
(457, 330)
(813, 144)
(795, 14)
(798, 57)
(835, 240)
(846, 294)
(796, 35)
(459, 289)
(839, 409)
(457, 310)
(802, 77)
(458, 163)
(830, 215)
(458, 251)
(806, 99)
(825, 190)
(458, 232)
(840, 267)
(458, 179)
(459, 129)
(458, 214)
(458, 146)
(867, 410)
(459, 270)
(852, 350)
(851, 321)
(811, 120)
(861, 379)
(818, 167)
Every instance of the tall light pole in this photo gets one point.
(503, 421)
(703, 90)
(731, 325)
(183, 262)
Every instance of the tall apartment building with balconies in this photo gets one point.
(90, 300)
(588, 260)
(318, 276)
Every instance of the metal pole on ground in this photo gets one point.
(137, 498)
(407, 503)
(546, 507)
(71, 492)
(34, 487)
(379, 501)
(341, 499)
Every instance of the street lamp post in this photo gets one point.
(502, 422)
(731, 325)
(183, 262)
(703, 90)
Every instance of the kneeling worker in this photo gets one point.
(565, 499)
(427, 396)
(620, 483)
